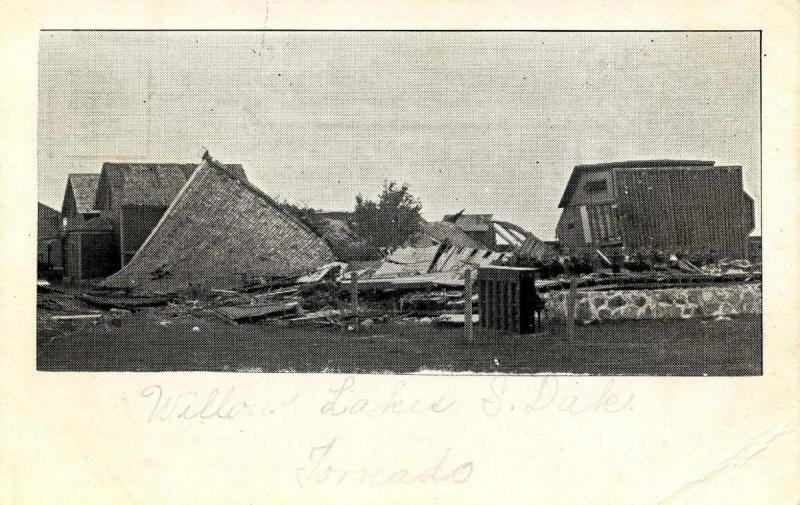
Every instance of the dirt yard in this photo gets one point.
(141, 342)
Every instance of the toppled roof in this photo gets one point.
(443, 232)
(217, 228)
(84, 190)
(525, 243)
(471, 222)
(48, 223)
(442, 264)
(579, 170)
(153, 184)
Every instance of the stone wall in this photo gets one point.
(672, 303)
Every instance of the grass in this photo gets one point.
(138, 342)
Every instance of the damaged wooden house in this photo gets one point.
(219, 231)
(675, 206)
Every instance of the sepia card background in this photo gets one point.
(269, 438)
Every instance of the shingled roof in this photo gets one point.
(218, 227)
(153, 184)
(83, 187)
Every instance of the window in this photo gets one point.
(595, 186)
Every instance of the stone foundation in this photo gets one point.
(673, 303)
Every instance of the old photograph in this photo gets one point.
(398, 202)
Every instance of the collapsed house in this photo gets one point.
(107, 216)
(134, 196)
(675, 206)
(220, 230)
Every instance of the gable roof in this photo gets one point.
(217, 228)
(580, 170)
(153, 184)
(84, 191)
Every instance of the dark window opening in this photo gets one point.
(595, 186)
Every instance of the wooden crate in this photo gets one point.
(507, 299)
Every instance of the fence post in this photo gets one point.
(354, 295)
(468, 305)
(572, 299)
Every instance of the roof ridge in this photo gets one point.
(255, 189)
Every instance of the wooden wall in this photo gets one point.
(136, 223)
(691, 210)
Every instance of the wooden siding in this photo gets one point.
(569, 230)
(691, 210)
(90, 255)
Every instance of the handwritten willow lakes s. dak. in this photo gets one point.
(527, 396)
(547, 394)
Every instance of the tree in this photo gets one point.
(391, 220)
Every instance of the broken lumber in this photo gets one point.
(455, 319)
(239, 312)
(124, 302)
(66, 317)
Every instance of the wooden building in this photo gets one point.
(90, 249)
(48, 239)
(674, 206)
(79, 198)
(134, 196)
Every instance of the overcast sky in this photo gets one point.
(490, 122)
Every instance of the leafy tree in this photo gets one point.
(391, 220)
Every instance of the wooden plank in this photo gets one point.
(468, 334)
